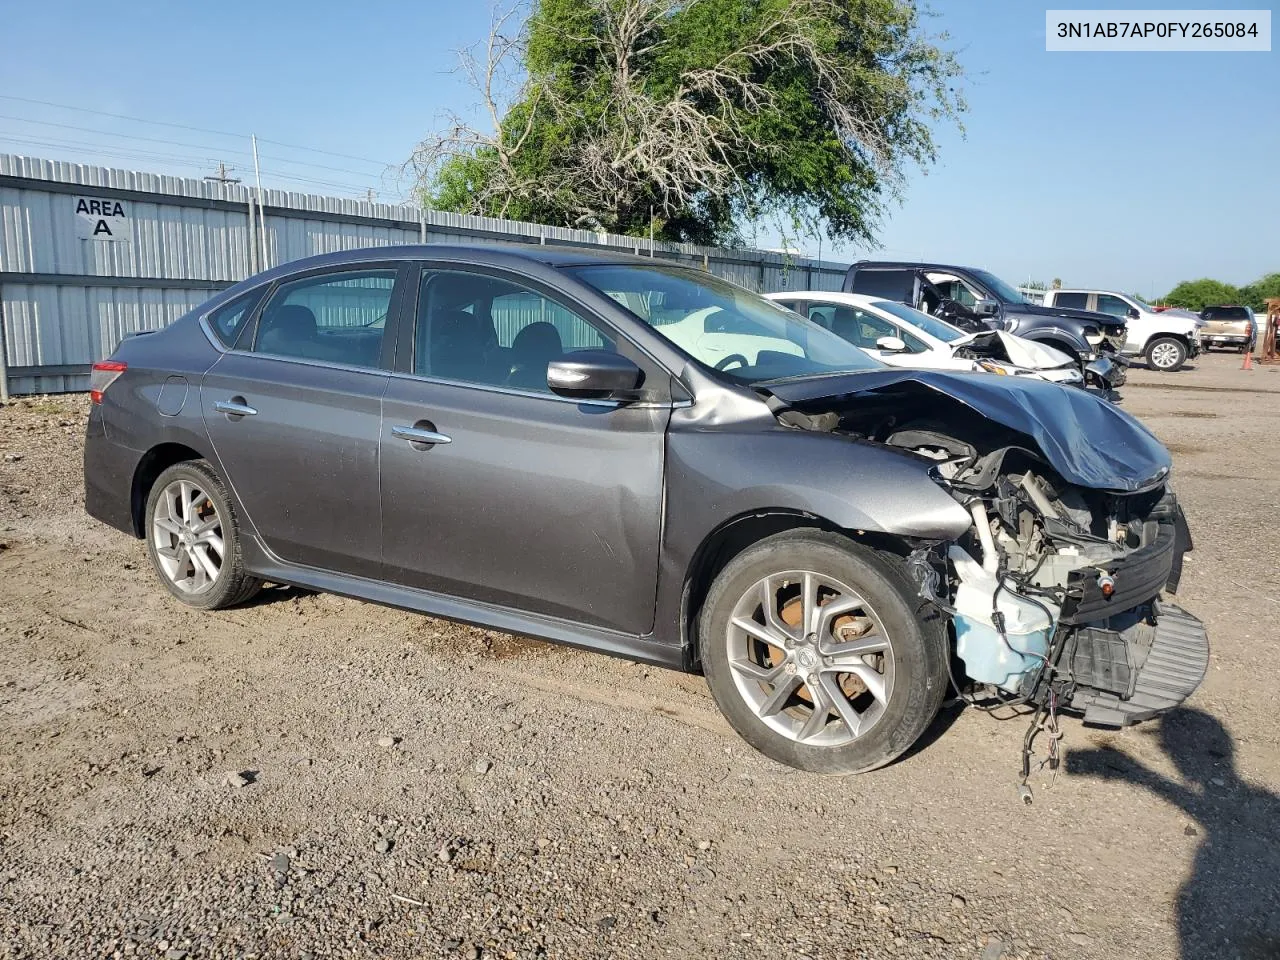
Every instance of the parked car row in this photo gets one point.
(1166, 339)
(644, 460)
(1229, 326)
(902, 336)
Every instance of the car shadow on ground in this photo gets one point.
(275, 593)
(947, 715)
(1229, 907)
(1137, 363)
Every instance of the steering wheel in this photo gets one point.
(724, 362)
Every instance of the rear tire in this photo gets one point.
(847, 633)
(1166, 354)
(193, 538)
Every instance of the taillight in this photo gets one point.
(103, 375)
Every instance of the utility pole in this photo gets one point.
(221, 175)
(370, 195)
(262, 216)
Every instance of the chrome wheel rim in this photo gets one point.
(1164, 355)
(811, 658)
(186, 533)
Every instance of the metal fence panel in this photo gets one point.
(67, 299)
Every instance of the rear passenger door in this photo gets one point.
(294, 412)
(495, 489)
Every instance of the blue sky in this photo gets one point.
(1122, 170)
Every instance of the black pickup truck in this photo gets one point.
(976, 300)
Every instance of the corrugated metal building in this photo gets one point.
(90, 254)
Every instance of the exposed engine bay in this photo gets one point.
(1057, 592)
(1006, 348)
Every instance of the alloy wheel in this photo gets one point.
(186, 531)
(1165, 355)
(811, 658)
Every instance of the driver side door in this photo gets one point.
(1137, 331)
(518, 497)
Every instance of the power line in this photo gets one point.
(127, 136)
(222, 151)
(120, 116)
(119, 151)
(184, 126)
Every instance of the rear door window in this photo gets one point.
(338, 317)
(888, 284)
(1071, 300)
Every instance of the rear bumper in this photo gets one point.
(108, 477)
(1223, 340)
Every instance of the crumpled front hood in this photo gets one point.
(1089, 441)
(1103, 320)
(1017, 350)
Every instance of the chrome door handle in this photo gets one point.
(418, 435)
(233, 409)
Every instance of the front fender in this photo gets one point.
(1055, 335)
(854, 484)
(716, 477)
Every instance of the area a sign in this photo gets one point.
(102, 219)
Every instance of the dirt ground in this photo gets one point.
(412, 788)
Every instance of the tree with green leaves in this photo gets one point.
(1260, 291)
(696, 116)
(1198, 294)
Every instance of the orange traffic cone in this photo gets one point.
(1248, 359)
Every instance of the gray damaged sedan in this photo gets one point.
(504, 436)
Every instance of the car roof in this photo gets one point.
(907, 264)
(496, 254)
(833, 296)
(1113, 293)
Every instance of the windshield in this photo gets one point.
(936, 328)
(1142, 304)
(999, 289)
(729, 329)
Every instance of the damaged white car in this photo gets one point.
(902, 336)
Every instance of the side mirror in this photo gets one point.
(891, 344)
(986, 307)
(593, 374)
(1133, 313)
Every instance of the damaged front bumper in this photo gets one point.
(1125, 654)
(1106, 373)
(1063, 616)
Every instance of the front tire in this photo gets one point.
(1166, 354)
(193, 539)
(819, 653)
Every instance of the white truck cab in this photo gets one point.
(1165, 339)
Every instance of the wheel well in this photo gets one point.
(1057, 343)
(1182, 338)
(153, 463)
(731, 538)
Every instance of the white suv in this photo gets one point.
(1166, 339)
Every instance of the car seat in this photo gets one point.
(533, 348)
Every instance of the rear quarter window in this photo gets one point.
(229, 320)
